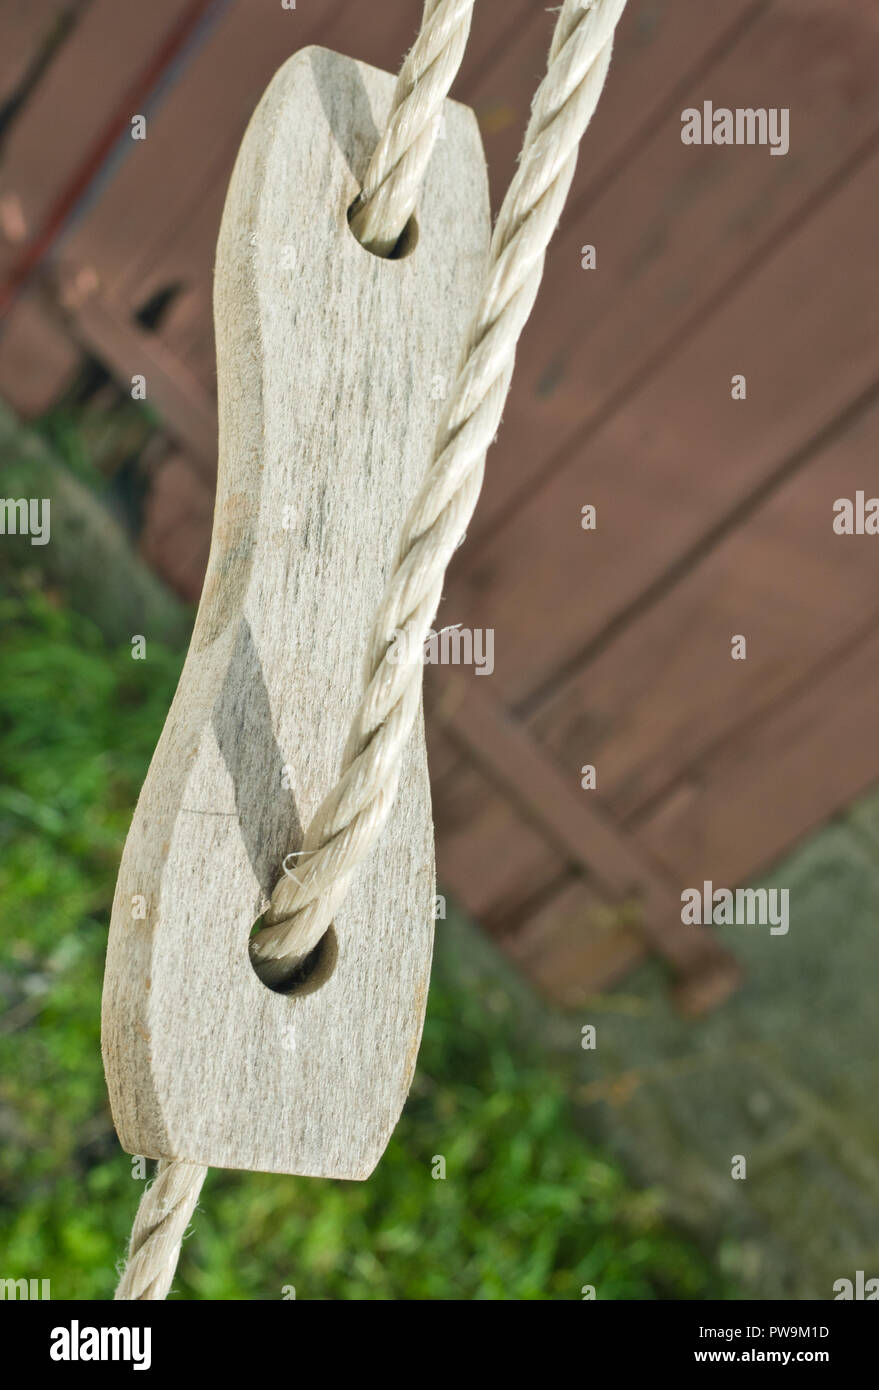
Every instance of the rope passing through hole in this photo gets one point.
(348, 821)
(400, 159)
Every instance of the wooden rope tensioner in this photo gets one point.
(353, 269)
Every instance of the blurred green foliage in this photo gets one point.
(527, 1210)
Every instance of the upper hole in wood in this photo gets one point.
(406, 244)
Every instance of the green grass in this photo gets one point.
(526, 1210)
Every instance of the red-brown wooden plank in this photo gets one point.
(654, 46)
(26, 26)
(502, 870)
(771, 783)
(37, 357)
(675, 225)
(70, 108)
(442, 753)
(489, 856)
(106, 330)
(56, 145)
(177, 525)
(575, 946)
(656, 699)
(578, 830)
(682, 453)
(492, 860)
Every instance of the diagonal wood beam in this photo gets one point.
(108, 331)
(509, 756)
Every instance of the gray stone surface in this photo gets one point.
(785, 1074)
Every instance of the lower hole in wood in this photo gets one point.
(311, 973)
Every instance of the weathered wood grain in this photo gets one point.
(327, 362)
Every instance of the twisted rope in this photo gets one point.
(400, 159)
(349, 819)
(159, 1227)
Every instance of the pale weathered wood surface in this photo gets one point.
(331, 368)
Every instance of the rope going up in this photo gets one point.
(400, 159)
(159, 1227)
(348, 821)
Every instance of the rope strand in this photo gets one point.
(164, 1213)
(400, 159)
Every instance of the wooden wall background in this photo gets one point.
(714, 516)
